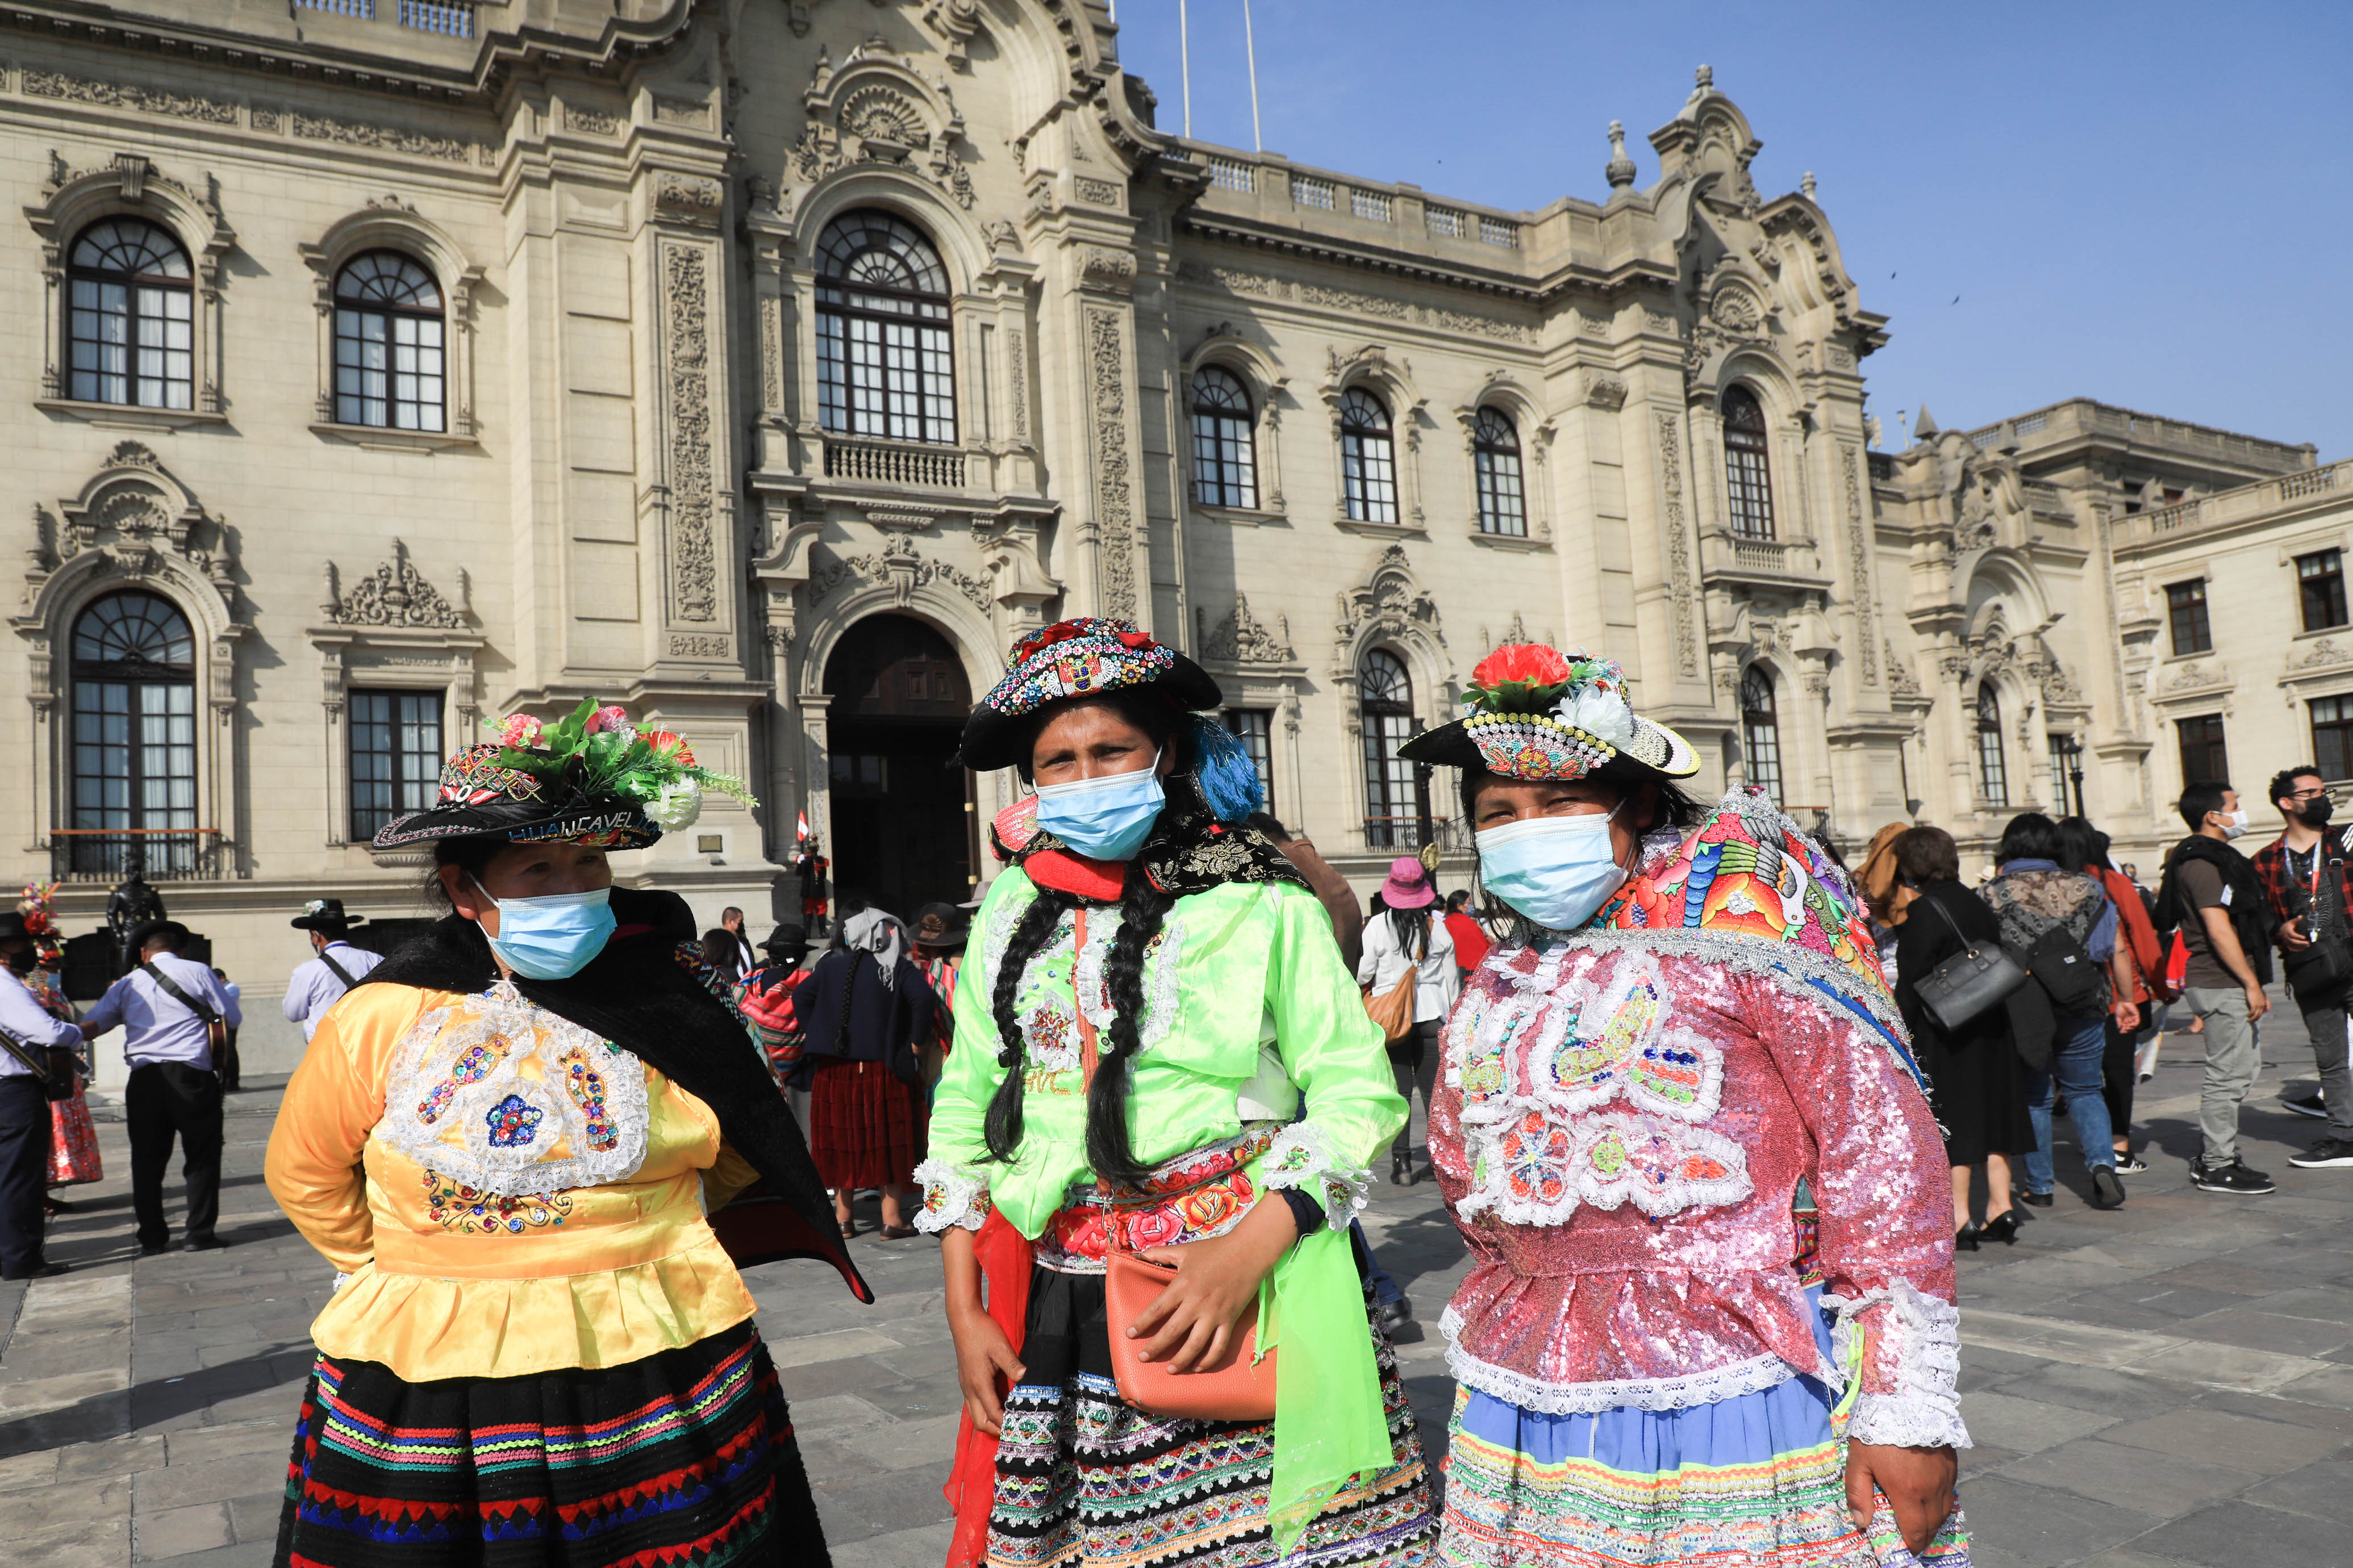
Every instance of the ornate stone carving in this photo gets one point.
(772, 354)
(383, 139)
(693, 551)
(1858, 552)
(1390, 602)
(1902, 682)
(1679, 550)
(1603, 390)
(2321, 654)
(1102, 267)
(2198, 677)
(1096, 193)
(700, 645)
(689, 198)
(590, 122)
(1115, 591)
(877, 108)
(1482, 326)
(395, 595)
(900, 568)
(1017, 372)
(1233, 279)
(1354, 302)
(1736, 309)
(953, 21)
(1241, 638)
(119, 95)
(691, 112)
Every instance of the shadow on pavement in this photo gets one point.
(125, 1410)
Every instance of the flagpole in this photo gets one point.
(1249, 42)
(1185, 54)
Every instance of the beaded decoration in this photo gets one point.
(1077, 658)
(475, 776)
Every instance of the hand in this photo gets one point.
(1194, 1320)
(2127, 1016)
(1917, 1482)
(2292, 938)
(2257, 1002)
(982, 1356)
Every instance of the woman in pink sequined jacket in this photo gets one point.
(1709, 1313)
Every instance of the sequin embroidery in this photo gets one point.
(585, 1085)
(456, 1207)
(513, 1122)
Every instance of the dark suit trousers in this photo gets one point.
(23, 1166)
(164, 1098)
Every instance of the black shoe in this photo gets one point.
(1400, 1171)
(1394, 1315)
(2131, 1165)
(2329, 1154)
(1966, 1238)
(204, 1243)
(2304, 1105)
(150, 1249)
(2235, 1177)
(2040, 1200)
(2108, 1191)
(38, 1271)
(2003, 1228)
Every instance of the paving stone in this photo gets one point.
(2026, 1425)
(100, 1539)
(37, 1468)
(2236, 1533)
(2271, 1448)
(255, 1518)
(115, 1457)
(176, 1532)
(2131, 1477)
(904, 1444)
(204, 1443)
(2269, 1331)
(213, 1479)
(2127, 1557)
(921, 1548)
(2119, 1395)
(2037, 1526)
(2330, 1306)
(38, 1508)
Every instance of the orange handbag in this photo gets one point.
(1240, 1386)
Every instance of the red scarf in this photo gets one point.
(1004, 1254)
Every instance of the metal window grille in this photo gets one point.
(1495, 460)
(2320, 589)
(389, 367)
(1446, 221)
(1372, 204)
(1495, 231)
(1232, 174)
(395, 756)
(131, 324)
(1993, 773)
(2332, 736)
(1367, 458)
(2185, 608)
(450, 19)
(885, 364)
(1225, 461)
(1747, 477)
(1760, 731)
(1392, 787)
(1310, 192)
(362, 9)
(1254, 727)
(134, 728)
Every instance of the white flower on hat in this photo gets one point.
(677, 806)
(1598, 710)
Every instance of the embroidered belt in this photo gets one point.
(1198, 1194)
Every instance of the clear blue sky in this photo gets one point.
(2150, 204)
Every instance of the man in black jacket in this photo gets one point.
(2212, 893)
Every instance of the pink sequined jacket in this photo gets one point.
(1623, 1116)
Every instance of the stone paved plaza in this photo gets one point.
(2168, 1384)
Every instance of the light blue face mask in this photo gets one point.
(1106, 818)
(1557, 870)
(552, 938)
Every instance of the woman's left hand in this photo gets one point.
(1192, 1322)
(1917, 1482)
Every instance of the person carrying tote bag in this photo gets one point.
(1410, 982)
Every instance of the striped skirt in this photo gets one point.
(685, 1457)
(1086, 1480)
(861, 1125)
(1756, 1480)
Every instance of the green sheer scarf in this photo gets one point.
(1330, 1424)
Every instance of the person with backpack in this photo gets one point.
(1406, 943)
(2062, 923)
(2308, 891)
(335, 965)
(2213, 897)
(2087, 846)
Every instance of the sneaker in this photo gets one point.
(2304, 1105)
(2107, 1193)
(2329, 1154)
(2131, 1165)
(2235, 1177)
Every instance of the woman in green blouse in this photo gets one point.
(1154, 1033)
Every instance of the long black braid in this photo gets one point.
(1142, 908)
(1002, 1129)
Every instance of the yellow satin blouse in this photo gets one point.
(508, 1194)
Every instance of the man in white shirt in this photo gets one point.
(731, 919)
(163, 1006)
(23, 1106)
(335, 968)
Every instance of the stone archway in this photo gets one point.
(901, 815)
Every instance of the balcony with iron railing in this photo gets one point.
(104, 854)
(1409, 835)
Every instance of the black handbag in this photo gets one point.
(1978, 977)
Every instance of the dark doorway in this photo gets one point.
(901, 815)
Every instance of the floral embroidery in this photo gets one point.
(950, 1198)
(459, 1208)
(1623, 1158)
(1299, 1158)
(1535, 1157)
(585, 1085)
(513, 1122)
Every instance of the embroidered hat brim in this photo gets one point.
(1077, 658)
(1539, 746)
(482, 797)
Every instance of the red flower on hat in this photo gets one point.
(1525, 664)
(613, 717)
(669, 745)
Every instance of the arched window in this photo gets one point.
(1225, 462)
(1993, 777)
(1748, 480)
(1760, 732)
(1392, 791)
(885, 364)
(130, 331)
(134, 737)
(388, 345)
(1495, 455)
(1367, 457)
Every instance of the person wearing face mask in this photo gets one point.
(1666, 1355)
(537, 1151)
(2306, 886)
(1158, 1052)
(2211, 894)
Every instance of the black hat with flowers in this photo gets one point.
(1534, 712)
(592, 778)
(1085, 657)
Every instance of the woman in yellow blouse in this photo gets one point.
(507, 1139)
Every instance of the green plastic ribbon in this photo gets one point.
(1330, 1424)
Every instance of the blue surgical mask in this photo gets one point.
(1557, 870)
(1106, 818)
(552, 938)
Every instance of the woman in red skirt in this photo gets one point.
(865, 1005)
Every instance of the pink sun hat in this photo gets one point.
(1409, 886)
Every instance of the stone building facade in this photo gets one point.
(388, 365)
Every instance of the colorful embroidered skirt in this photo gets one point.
(861, 1125)
(1757, 1480)
(685, 1457)
(73, 1143)
(1086, 1480)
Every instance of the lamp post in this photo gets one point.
(2071, 747)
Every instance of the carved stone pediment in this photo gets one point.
(878, 108)
(1390, 602)
(1242, 638)
(395, 595)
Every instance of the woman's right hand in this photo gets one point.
(982, 1356)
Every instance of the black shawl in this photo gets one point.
(637, 994)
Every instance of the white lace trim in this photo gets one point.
(1090, 978)
(1299, 1157)
(1923, 1340)
(1754, 1375)
(1064, 979)
(534, 1083)
(951, 1198)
